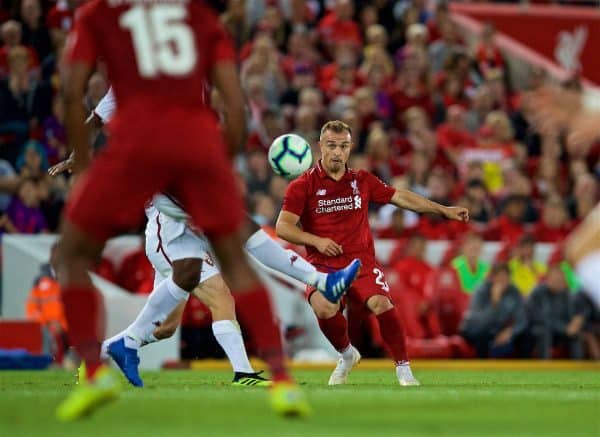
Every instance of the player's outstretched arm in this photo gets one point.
(409, 200)
(75, 78)
(287, 228)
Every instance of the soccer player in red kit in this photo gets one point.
(164, 137)
(330, 201)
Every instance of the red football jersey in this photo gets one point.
(338, 210)
(159, 51)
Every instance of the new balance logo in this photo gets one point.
(321, 192)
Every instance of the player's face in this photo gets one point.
(335, 150)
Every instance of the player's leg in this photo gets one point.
(334, 326)
(84, 308)
(270, 253)
(170, 295)
(92, 215)
(209, 193)
(215, 294)
(583, 251)
(254, 305)
(255, 312)
(392, 332)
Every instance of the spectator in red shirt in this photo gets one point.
(60, 19)
(509, 226)
(417, 37)
(345, 81)
(453, 136)
(300, 53)
(413, 270)
(481, 209)
(366, 107)
(412, 87)
(438, 188)
(433, 23)
(554, 225)
(12, 34)
(344, 55)
(397, 229)
(487, 54)
(338, 27)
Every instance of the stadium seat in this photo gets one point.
(106, 270)
(451, 302)
(21, 334)
(136, 274)
(397, 252)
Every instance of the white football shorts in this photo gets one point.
(169, 239)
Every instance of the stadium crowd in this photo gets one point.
(429, 113)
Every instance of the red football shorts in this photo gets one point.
(177, 150)
(370, 282)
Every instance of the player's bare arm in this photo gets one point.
(75, 78)
(409, 200)
(225, 79)
(287, 228)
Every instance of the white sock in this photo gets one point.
(229, 336)
(161, 302)
(271, 254)
(347, 354)
(105, 343)
(588, 271)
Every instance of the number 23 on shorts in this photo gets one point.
(380, 280)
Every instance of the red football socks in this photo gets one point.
(392, 333)
(84, 311)
(336, 330)
(256, 315)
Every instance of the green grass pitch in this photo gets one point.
(201, 403)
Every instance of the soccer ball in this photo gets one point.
(290, 155)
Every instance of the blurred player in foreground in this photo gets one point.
(556, 110)
(331, 203)
(164, 137)
(174, 249)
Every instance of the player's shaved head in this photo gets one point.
(335, 143)
(335, 126)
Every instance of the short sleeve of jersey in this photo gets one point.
(379, 190)
(81, 43)
(106, 106)
(294, 200)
